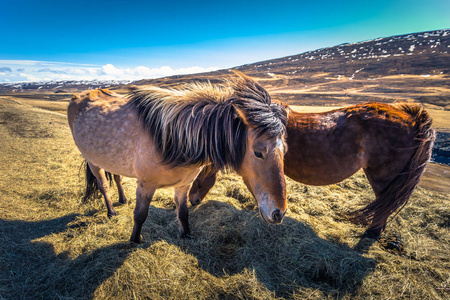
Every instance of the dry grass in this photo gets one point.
(437, 178)
(51, 246)
(326, 90)
(55, 106)
(441, 119)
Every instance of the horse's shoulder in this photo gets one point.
(381, 111)
(99, 94)
(93, 95)
(102, 99)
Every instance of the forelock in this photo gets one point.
(255, 103)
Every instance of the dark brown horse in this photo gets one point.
(392, 143)
(165, 137)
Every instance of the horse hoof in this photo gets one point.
(372, 234)
(137, 240)
(112, 214)
(123, 201)
(186, 236)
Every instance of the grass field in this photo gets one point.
(54, 247)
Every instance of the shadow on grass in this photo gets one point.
(284, 257)
(226, 241)
(32, 270)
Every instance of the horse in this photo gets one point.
(392, 143)
(164, 137)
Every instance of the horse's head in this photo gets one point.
(262, 172)
(262, 167)
(202, 184)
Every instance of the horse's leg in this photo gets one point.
(103, 186)
(379, 185)
(118, 180)
(144, 195)
(181, 196)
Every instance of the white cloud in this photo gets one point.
(46, 71)
(110, 70)
(141, 72)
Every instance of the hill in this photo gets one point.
(412, 67)
(58, 86)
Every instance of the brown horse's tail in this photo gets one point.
(91, 189)
(396, 195)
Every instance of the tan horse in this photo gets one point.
(164, 137)
(392, 143)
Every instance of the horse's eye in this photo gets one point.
(258, 154)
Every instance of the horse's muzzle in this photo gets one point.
(276, 217)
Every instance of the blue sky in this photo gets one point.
(117, 39)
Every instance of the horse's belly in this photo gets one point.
(112, 160)
(320, 176)
(112, 164)
(322, 168)
(324, 156)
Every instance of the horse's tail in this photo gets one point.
(91, 188)
(397, 193)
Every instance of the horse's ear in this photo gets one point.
(245, 80)
(286, 107)
(242, 76)
(241, 114)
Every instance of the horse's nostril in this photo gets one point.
(276, 216)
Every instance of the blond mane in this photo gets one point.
(203, 122)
